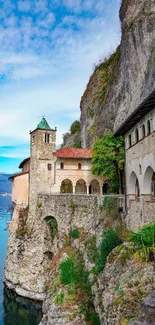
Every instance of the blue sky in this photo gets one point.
(48, 49)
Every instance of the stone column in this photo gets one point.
(73, 189)
(87, 189)
(101, 189)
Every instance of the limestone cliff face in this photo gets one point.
(111, 97)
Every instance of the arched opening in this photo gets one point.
(153, 185)
(94, 187)
(66, 186)
(61, 165)
(137, 135)
(147, 182)
(134, 187)
(130, 141)
(148, 127)
(52, 226)
(79, 166)
(47, 138)
(137, 188)
(81, 186)
(143, 131)
(106, 189)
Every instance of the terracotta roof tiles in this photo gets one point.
(74, 153)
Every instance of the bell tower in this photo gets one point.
(42, 158)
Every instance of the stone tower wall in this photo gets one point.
(42, 154)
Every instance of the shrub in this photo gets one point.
(60, 298)
(69, 272)
(75, 233)
(143, 243)
(109, 242)
(75, 127)
(51, 221)
(77, 144)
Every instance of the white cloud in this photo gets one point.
(47, 21)
(47, 57)
(41, 6)
(24, 5)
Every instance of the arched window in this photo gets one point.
(66, 186)
(106, 189)
(130, 141)
(147, 181)
(94, 187)
(137, 135)
(81, 187)
(143, 131)
(79, 166)
(148, 127)
(61, 165)
(47, 138)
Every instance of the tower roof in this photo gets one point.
(43, 125)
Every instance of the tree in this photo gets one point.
(108, 159)
(75, 127)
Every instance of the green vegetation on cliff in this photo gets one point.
(108, 70)
(108, 159)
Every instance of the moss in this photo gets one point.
(22, 227)
(149, 13)
(59, 299)
(108, 68)
(74, 233)
(91, 249)
(91, 112)
(39, 204)
(75, 288)
(131, 22)
(92, 130)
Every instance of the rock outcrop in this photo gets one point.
(121, 288)
(147, 313)
(116, 90)
(30, 245)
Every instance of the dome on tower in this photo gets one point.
(43, 125)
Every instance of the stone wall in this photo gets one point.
(141, 211)
(30, 246)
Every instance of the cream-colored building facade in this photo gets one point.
(139, 132)
(49, 171)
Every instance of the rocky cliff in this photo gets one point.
(120, 83)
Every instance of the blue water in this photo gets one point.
(13, 309)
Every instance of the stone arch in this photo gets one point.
(81, 186)
(106, 188)
(134, 187)
(66, 186)
(147, 181)
(94, 187)
(52, 225)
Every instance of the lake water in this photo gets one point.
(13, 309)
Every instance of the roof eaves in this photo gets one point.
(134, 116)
(17, 174)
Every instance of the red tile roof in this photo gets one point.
(74, 153)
